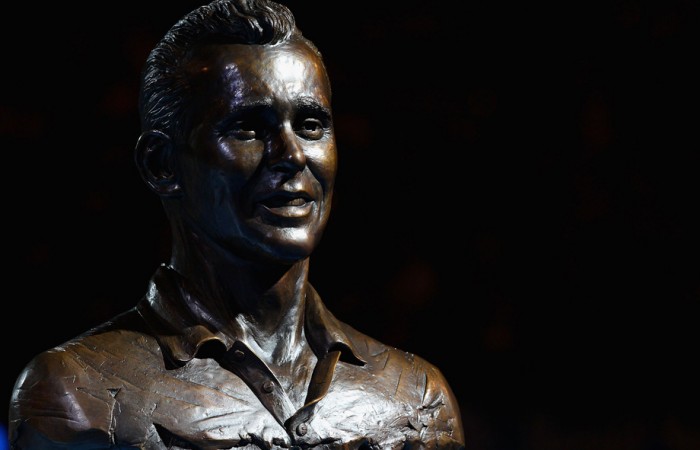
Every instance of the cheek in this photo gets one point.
(223, 168)
(203, 187)
(239, 158)
(324, 163)
(217, 174)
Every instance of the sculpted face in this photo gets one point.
(259, 162)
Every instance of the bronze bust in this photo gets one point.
(231, 346)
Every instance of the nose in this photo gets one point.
(286, 152)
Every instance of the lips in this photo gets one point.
(287, 204)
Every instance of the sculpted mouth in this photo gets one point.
(287, 204)
(286, 199)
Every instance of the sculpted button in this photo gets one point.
(302, 429)
(268, 386)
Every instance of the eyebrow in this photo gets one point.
(306, 105)
(310, 106)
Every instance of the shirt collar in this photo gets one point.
(182, 325)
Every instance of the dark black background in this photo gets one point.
(516, 202)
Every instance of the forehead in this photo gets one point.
(259, 72)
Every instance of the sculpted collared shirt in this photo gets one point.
(164, 376)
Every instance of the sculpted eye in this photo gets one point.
(241, 130)
(311, 129)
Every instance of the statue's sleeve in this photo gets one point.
(440, 413)
(49, 408)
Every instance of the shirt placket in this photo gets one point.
(257, 375)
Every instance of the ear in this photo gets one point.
(155, 161)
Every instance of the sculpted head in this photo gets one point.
(237, 133)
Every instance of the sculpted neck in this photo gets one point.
(263, 300)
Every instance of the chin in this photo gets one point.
(291, 250)
(280, 246)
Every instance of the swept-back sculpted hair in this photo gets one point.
(165, 85)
